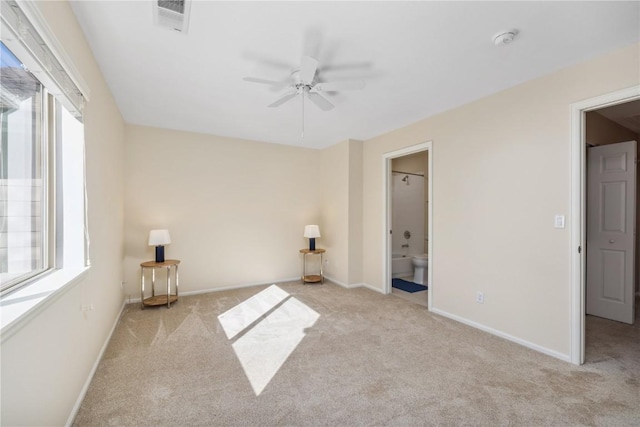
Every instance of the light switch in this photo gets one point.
(559, 221)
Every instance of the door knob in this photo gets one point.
(611, 241)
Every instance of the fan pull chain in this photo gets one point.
(303, 93)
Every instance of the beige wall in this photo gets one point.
(602, 131)
(334, 223)
(355, 212)
(501, 173)
(341, 211)
(235, 209)
(46, 363)
(414, 163)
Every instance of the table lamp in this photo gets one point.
(159, 238)
(311, 232)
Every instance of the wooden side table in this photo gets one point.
(311, 278)
(167, 298)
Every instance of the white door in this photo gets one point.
(611, 217)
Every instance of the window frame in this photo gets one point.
(45, 124)
(69, 261)
(25, 31)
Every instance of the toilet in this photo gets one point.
(420, 263)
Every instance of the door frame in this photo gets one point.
(579, 210)
(386, 208)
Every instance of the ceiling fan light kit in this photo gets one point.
(305, 81)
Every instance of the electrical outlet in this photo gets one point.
(480, 297)
(86, 307)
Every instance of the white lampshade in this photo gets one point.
(159, 237)
(311, 231)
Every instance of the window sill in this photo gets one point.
(18, 307)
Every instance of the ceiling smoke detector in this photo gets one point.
(504, 38)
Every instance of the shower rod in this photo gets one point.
(409, 173)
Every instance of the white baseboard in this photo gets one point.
(248, 285)
(344, 285)
(544, 350)
(353, 285)
(243, 285)
(87, 383)
(373, 288)
(226, 288)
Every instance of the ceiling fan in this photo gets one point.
(304, 81)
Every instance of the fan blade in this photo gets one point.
(338, 86)
(270, 62)
(264, 81)
(364, 65)
(308, 67)
(283, 99)
(321, 102)
(312, 42)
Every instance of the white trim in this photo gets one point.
(32, 11)
(226, 288)
(578, 211)
(344, 285)
(355, 285)
(249, 285)
(430, 263)
(373, 288)
(25, 32)
(22, 305)
(386, 208)
(532, 346)
(337, 282)
(94, 368)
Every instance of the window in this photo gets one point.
(25, 233)
(42, 200)
(44, 242)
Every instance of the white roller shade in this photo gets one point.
(25, 32)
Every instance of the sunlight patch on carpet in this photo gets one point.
(263, 348)
(238, 318)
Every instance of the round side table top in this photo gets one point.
(166, 263)
(309, 251)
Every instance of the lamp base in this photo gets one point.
(159, 253)
(312, 243)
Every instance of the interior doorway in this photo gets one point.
(598, 122)
(410, 170)
(612, 282)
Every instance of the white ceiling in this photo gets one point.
(418, 58)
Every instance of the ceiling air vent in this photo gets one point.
(172, 14)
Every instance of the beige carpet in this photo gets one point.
(369, 359)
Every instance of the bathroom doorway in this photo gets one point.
(408, 218)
